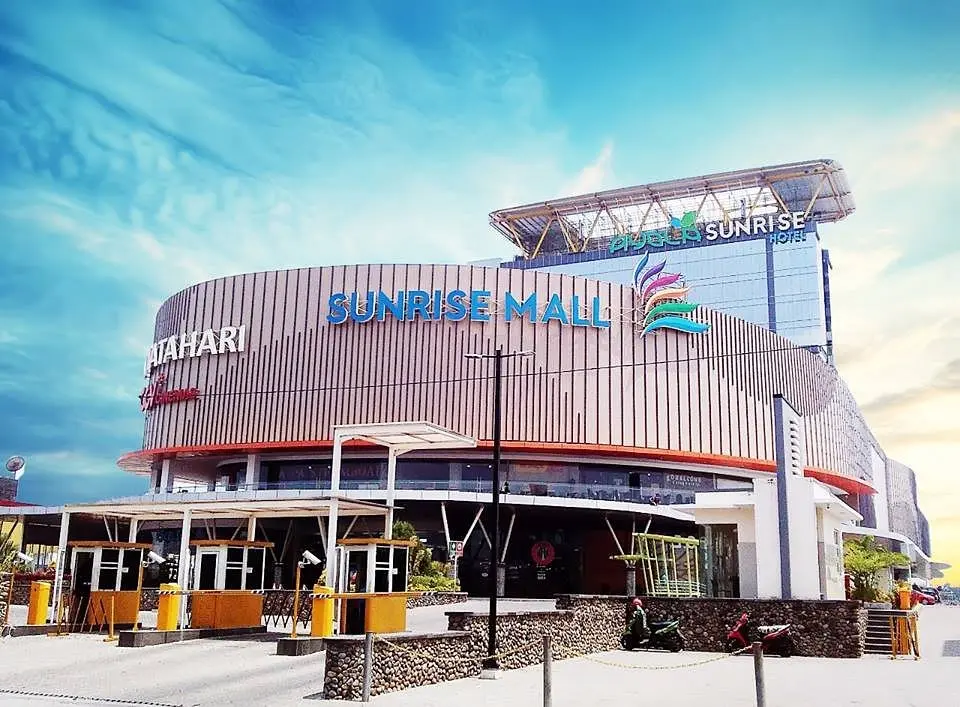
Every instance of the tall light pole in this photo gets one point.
(491, 662)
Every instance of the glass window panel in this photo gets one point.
(234, 579)
(255, 557)
(131, 570)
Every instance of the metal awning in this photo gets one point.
(406, 436)
(886, 534)
(173, 509)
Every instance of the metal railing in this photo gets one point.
(587, 491)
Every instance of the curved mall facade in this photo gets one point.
(608, 424)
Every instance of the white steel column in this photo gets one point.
(183, 570)
(506, 543)
(252, 528)
(166, 481)
(252, 478)
(132, 533)
(61, 561)
(334, 511)
(391, 490)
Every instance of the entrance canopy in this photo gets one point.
(300, 506)
(405, 436)
(398, 438)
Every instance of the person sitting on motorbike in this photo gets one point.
(638, 614)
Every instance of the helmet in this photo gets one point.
(636, 603)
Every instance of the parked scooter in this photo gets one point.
(775, 639)
(643, 633)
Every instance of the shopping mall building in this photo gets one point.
(679, 362)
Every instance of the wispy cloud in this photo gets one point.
(204, 140)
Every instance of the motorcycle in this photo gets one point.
(660, 634)
(774, 639)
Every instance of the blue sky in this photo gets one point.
(147, 145)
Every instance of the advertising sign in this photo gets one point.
(779, 227)
(228, 339)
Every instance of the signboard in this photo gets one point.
(457, 305)
(156, 394)
(455, 549)
(543, 553)
(779, 227)
(228, 339)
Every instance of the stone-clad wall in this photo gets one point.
(407, 661)
(581, 624)
(519, 634)
(4, 593)
(436, 599)
(21, 587)
(829, 629)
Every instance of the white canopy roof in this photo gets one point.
(173, 509)
(406, 436)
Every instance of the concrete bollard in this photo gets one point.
(547, 672)
(367, 666)
(758, 673)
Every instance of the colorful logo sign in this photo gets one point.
(780, 227)
(663, 299)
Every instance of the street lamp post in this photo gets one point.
(491, 662)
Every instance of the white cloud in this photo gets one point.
(596, 176)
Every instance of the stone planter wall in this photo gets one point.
(519, 634)
(580, 625)
(407, 661)
(21, 587)
(4, 594)
(829, 629)
(436, 599)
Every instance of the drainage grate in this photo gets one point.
(81, 700)
(951, 649)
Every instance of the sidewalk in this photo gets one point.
(247, 672)
(793, 682)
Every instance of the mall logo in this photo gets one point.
(785, 227)
(663, 299)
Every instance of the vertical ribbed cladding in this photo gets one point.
(300, 375)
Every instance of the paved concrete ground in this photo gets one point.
(246, 672)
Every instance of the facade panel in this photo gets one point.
(583, 383)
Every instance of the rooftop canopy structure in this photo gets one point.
(575, 224)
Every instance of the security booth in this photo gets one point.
(106, 579)
(371, 587)
(228, 577)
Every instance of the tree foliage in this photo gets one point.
(426, 574)
(863, 560)
(9, 562)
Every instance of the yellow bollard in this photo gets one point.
(168, 608)
(322, 622)
(39, 601)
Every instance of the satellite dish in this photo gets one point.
(16, 466)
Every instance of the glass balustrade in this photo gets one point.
(587, 491)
